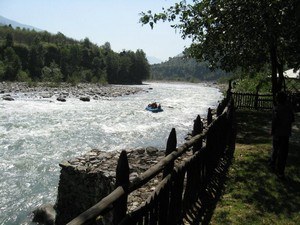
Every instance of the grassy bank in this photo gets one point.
(252, 194)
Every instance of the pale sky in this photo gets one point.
(113, 21)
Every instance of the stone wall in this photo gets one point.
(85, 180)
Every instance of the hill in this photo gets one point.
(153, 60)
(184, 69)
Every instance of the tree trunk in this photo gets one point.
(273, 57)
(280, 84)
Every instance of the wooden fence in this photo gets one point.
(253, 100)
(183, 185)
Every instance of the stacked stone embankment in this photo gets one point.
(85, 180)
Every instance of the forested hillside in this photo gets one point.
(27, 55)
(182, 69)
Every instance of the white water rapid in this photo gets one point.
(36, 135)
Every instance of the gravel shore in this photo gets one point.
(84, 91)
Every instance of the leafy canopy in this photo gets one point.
(232, 34)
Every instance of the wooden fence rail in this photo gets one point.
(181, 185)
(253, 100)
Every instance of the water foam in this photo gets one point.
(38, 134)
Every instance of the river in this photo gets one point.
(37, 134)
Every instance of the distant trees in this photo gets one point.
(184, 69)
(40, 56)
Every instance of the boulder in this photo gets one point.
(45, 214)
(151, 151)
(8, 98)
(61, 99)
(85, 99)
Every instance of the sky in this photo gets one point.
(113, 21)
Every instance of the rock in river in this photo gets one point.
(85, 99)
(61, 99)
(8, 98)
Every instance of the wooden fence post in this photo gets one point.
(256, 101)
(198, 128)
(122, 179)
(164, 199)
(220, 108)
(175, 209)
(229, 90)
(209, 117)
(171, 146)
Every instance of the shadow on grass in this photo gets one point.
(203, 208)
(261, 187)
(253, 191)
(254, 127)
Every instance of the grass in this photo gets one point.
(252, 194)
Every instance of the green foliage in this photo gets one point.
(36, 60)
(74, 78)
(252, 83)
(2, 70)
(56, 58)
(12, 64)
(23, 76)
(52, 73)
(9, 40)
(182, 69)
(238, 34)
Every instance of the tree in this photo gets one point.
(125, 65)
(23, 53)
(12, 64)
(52, 73)
(112, 67)
(232, 34)
(36, 59)
(52, 54)
(9, 40)
(107, 47)
(140, 69)
(75, 56)
(98, 66)
(2, 70)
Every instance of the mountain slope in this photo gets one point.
(153, 60)
(4, 21)
(183, 69)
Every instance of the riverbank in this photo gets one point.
(13, 90)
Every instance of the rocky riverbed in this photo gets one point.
(84, 91)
